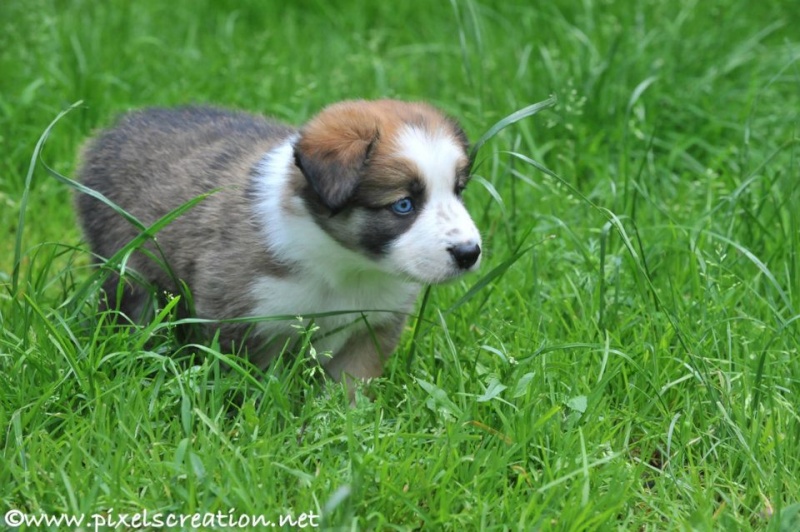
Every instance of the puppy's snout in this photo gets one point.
(466, 254)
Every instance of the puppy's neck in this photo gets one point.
(294, 237)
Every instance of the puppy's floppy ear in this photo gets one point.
(333, 150)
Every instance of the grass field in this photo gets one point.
(627, 358)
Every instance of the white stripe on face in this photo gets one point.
(423, 252)
(435, 154)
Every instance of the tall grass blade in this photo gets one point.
(26, 194)
(513, 118)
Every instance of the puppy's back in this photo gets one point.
(155, 160)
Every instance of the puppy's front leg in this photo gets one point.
(362, 357)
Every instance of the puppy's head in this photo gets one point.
(384, 178)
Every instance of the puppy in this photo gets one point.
(346, 217)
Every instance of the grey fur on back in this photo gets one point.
(155, 160)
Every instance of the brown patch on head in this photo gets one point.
(332, 150)
(350, 167)
(346, 152)
(389, 180)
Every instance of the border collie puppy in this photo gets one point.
(347, 216)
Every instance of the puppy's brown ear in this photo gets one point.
(333, 151)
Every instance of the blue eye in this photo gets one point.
(403, 206)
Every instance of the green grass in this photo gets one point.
(636, 367)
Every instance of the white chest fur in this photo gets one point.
(326, 278)
(338, 312)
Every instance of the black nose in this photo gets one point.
(465, 255)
